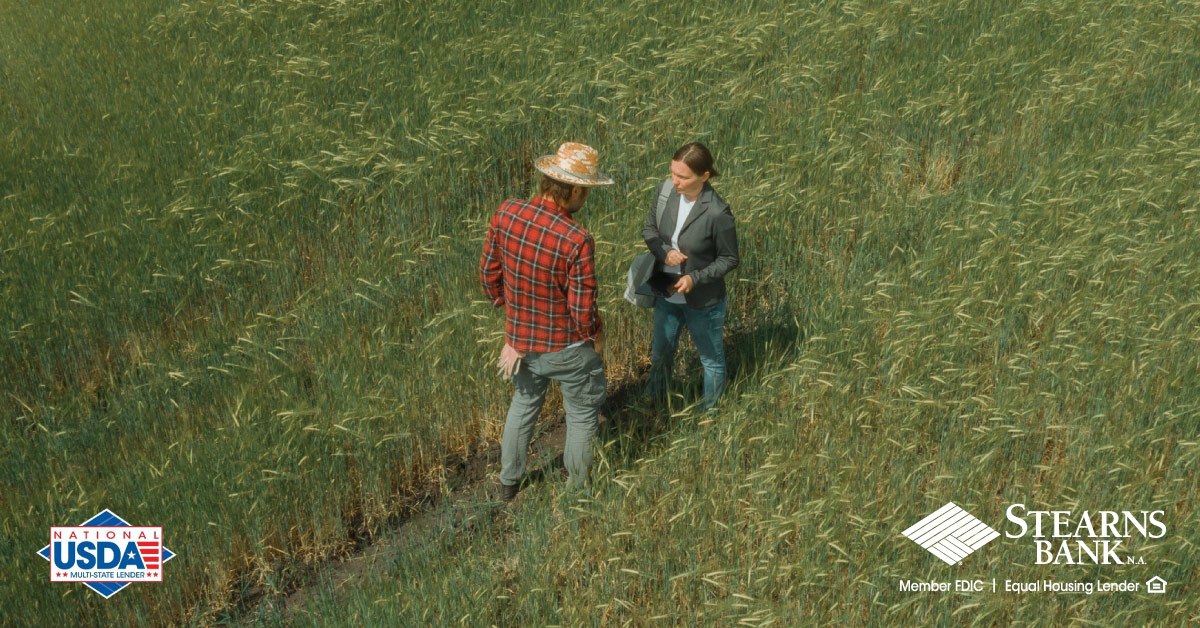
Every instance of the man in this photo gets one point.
(538, 263)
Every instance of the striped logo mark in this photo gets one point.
(951, 533)
(151, 552)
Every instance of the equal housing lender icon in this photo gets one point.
(951, 533)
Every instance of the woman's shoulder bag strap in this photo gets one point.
(664, 192)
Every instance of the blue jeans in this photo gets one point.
(707, 329)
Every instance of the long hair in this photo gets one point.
(697, 157)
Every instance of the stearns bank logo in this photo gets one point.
(951, 533)
(106, 554)
(1060, 537)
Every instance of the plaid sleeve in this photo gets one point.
(491, 267)
(581, 290)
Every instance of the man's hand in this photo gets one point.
(684, 285)
(510, 361)
(598, 343)
(675, 258)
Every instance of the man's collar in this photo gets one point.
(550, 206)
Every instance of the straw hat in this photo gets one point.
(575, 164)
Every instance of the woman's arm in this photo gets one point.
(725, 241)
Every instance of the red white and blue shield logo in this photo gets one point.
(106, 553)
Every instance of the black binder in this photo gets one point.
(659, 285)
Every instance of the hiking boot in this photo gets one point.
(508, 492)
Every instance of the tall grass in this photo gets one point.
(240, 242)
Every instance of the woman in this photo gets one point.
(693, 238)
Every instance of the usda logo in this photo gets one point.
(106, 554)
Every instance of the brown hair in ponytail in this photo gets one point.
(697, 157)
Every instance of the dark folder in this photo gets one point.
(659, 285)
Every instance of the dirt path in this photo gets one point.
(470, 481)
(466, 490)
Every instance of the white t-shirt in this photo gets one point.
(685, 208)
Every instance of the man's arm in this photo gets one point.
(581, 291)
(491, 266)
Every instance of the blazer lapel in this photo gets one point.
(702, 204)
(670, 217)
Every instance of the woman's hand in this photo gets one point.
(675, 258)
(684, 285)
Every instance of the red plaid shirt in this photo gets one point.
(540, 265)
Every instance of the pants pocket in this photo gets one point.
(565, 358)
(592, 390)
(598, 384)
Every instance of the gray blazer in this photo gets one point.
(709, 239)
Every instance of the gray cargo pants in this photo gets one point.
(579, 372)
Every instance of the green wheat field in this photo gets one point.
(240, 301)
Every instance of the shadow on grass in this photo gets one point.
(634, 422)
